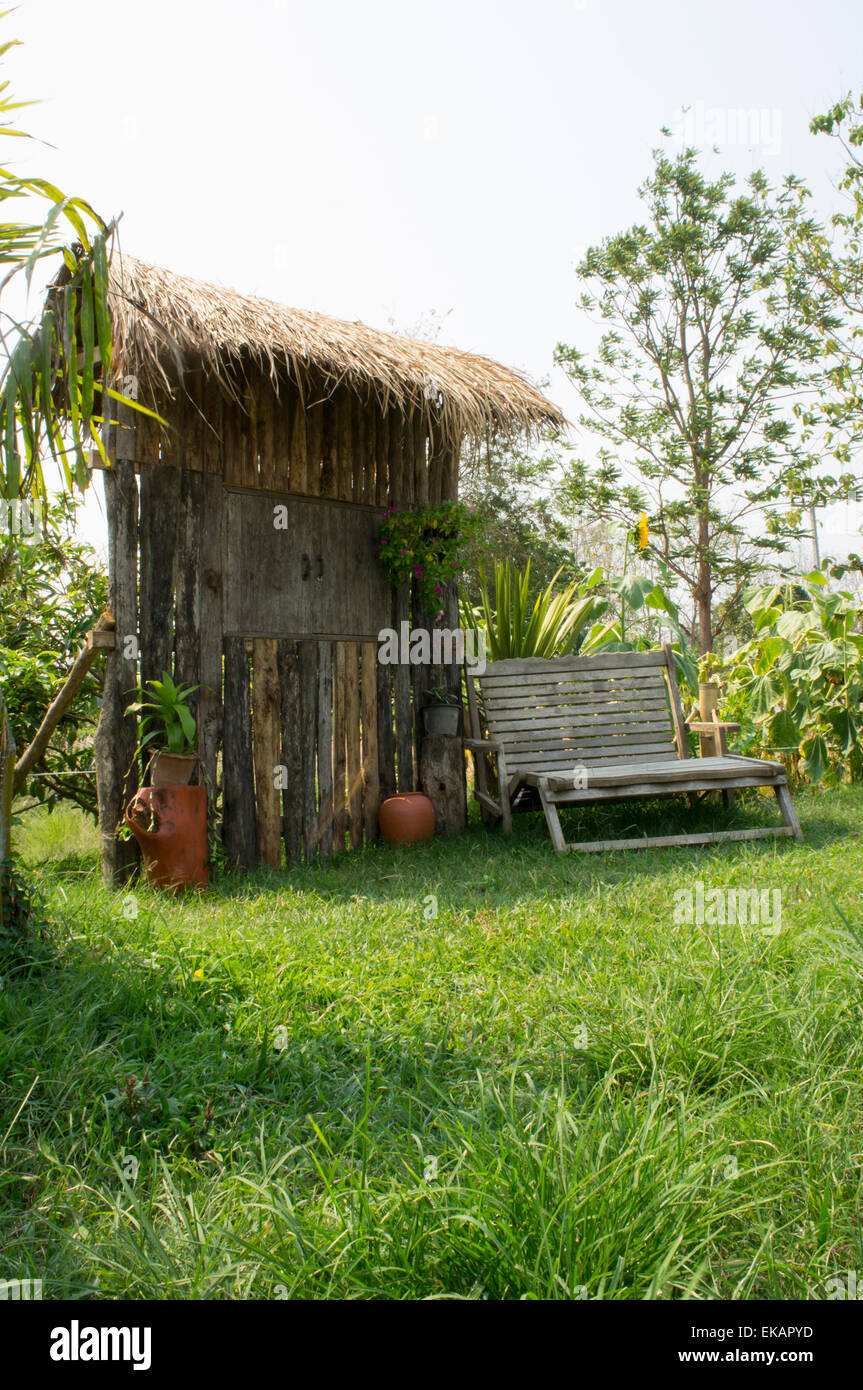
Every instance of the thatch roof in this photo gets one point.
(163, 321)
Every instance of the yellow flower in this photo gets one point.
(641, 533)
(198, 975)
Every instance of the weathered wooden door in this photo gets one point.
(299, 567)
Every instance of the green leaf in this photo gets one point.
(817, 756)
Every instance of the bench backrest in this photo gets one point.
(583, 710)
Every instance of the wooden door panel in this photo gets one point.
(316, 576)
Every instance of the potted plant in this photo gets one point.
(442, 714)
(168, 721)
(421, 543)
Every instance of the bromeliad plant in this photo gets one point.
(796, 687)
(422, 544)
(169, 722)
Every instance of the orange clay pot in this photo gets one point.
(170, 825)
(406, 818)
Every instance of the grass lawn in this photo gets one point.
(458, 1070)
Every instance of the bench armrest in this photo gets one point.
(701, 726)
(489, 743)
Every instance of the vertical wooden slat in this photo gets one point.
(319, 466)
(449, 481)
(408, 471)
(357, 448)
(435, 466)
(187, 603)
(282, 417)
(325, 747)
(386, 739)
(267, 404)
(396, 459)
(212, 431)
(266, 746)
(193, 453)
(299, 451)
(160, 508)
(209, 675)
(402, 700)
(292, 756)
(308, 736)
(354, 758)
(371, 771)
(382, 459)
(252, 468)
(421, 477)
(240, 834)
(340, 415)
(340, 817)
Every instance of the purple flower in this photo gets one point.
(418, 571)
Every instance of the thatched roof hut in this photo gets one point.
(166, 325)
(244, 557)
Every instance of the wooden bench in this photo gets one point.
(603, 728)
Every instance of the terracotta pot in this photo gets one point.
(172, 769)
(170, 825)
(406, 818)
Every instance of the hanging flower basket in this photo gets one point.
(422, 544)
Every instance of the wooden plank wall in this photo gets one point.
(301, 738)
(321, 443)
(316, 772)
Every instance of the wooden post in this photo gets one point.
(386, 739)
(209, 676)
(441, 759)
(402, 699)
(309, 738)
(340, 753)
(352, 730)
(442, 780)
(710, 744)
(371, 769)
(292, 757)
(160, 512)
(117, 731)
(187, 608)
(266, 744)
(239, 833)
(325, 747)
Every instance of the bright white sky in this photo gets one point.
(382, 159)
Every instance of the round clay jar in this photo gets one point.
(406, 818)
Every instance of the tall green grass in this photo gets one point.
(311, 1084)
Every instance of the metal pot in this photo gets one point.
(442, 719)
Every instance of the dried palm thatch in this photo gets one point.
(163, 321)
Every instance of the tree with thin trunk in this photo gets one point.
(703, 356)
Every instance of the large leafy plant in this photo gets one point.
(797, 686)
(642, 612)
(51, 589)
(168, 721)
(518, 624)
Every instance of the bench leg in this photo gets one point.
(505, 804)
(786, 806)
(552, 819)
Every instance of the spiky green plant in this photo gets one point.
(518, 625)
